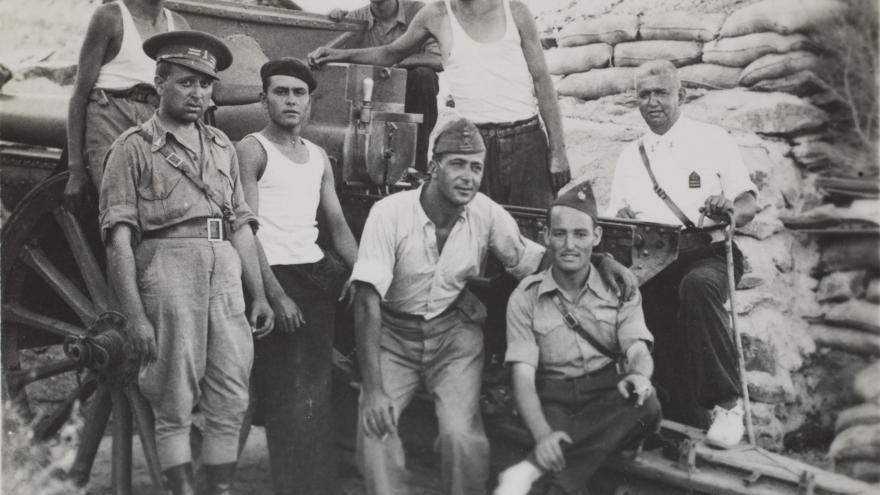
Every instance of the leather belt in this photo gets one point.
(400, 315)
(502, 129)
(212, 229)
(605, 377)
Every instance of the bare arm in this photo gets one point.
(423, 59)
(378, 417)
(261, 317)
(545, 92)
(251, 164)
(408, 44)
(340, 233)
(121, 273)
(548, 443)
(102, 28)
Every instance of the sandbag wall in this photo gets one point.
(762, 46)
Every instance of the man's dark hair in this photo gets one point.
(163, 69)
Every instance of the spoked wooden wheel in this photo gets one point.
(54, 289)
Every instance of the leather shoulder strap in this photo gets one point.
(573, 323)
(661, 193)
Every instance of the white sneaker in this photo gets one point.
(727, 426)
(517, 479)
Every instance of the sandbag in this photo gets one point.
(801, 83)
(781, 16)
(844, 339)
(597, 83)
(569, 60)
(774, 66)
(681, 26)
(710, 76)
(872, 293)
(857, 314)
(860, 469)
(635, 53)
(611, 29)
(740, 51)
(863, 414)
(854, 442)
(866, 384)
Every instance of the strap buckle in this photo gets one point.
(215, 229)
(570, 320)
(174, 159)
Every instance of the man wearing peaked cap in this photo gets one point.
(195, 50)
(416, 321)
(580, 356)
(179, 241)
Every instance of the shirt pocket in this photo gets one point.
(606, 326)
(555, 343)
(157, 184)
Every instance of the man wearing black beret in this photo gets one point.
(287, 180)
(179, 241)
(581, 359)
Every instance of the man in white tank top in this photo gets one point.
(286, 180)
(114, 86)
(498, 78)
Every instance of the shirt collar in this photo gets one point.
(422, 216)
(160, 133)
(401, 16)
(654, 141)
(594, 284)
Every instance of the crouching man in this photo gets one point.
(581, 359)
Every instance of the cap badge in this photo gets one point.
(581, 196)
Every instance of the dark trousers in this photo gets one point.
(599, 422)
(292, 379)
(422, 87)
(516, 168)
(694, 351)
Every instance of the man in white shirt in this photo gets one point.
(417, 324)
(699, 167)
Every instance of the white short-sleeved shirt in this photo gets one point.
(398, 252)
(692, 161)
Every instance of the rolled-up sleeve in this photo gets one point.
(521, 344)
(519, 255)
(243, 213)
(118, 198)
(631, 326)
(376, 254)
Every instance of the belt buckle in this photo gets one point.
(215, 229)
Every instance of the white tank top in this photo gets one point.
(289, 197)
(131, 66)
(490, 82)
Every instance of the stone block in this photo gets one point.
(769, 430)
(784, 336)
(779, 114)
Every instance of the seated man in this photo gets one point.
(567, 336)
(678, 170)
(386, 21)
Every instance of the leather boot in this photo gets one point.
(179, 479)
(219, 477)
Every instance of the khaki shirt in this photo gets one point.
(537, 335)
(143, 189)
(379, 35)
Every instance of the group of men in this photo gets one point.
(193, 223)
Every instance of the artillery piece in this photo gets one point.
(55, 296)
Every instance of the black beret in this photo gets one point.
(196, 50)
(288, 66)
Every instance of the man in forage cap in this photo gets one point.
(179, 237)
(581, 359)
(416, 323)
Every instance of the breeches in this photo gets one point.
(191, 292)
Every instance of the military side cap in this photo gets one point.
(195, 50)
(459, 135)
(289, 66)
(579, 197)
